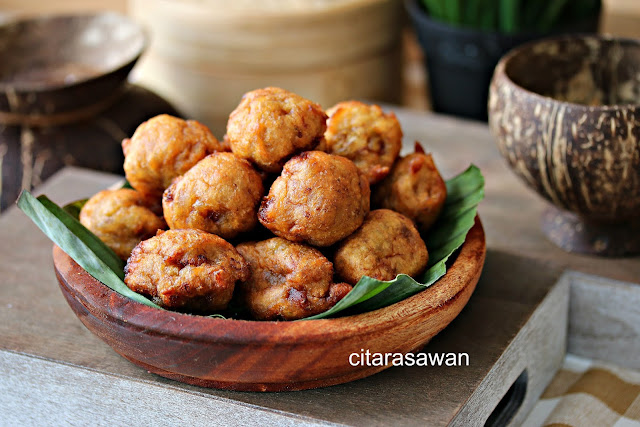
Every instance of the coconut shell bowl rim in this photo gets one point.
(401, 327)
(501, 68)
(125, 62)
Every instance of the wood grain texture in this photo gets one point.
(35, 320)
(521, 266)
(604, 320)
(538, 349)
(90, 398)
(268, 356)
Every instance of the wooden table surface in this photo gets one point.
(52, 369)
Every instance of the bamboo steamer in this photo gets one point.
(205, 54)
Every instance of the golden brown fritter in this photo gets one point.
(386, 245)
(414, 188)
(187, 270)
(319, 198)
(121, 219)
(364, 134)
(288, 280)
(220, 195)
(163, 148)
(270, 125)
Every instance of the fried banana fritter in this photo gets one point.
(288, 280)
(364, 134)
(220, 195)
(270, 125)
(415, 189)
(121, 219)
(163, 148)
(187, 270)
(319, 198)
(386, 245)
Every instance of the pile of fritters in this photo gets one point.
(276, 217)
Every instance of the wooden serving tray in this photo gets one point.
(50, 365)
(53, 368)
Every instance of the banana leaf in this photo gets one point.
(464, 192)
(79, 243)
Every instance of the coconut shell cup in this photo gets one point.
(566, 116)
(60, 68)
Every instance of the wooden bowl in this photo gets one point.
(566, 116)
(57, 64)
(267, 356)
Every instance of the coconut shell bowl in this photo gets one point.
(566, 116)
(57, 68)
(268, 356)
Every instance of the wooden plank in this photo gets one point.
(538, 350)
(521, 267)
(34, 320)
(604, 320)
(32, 396)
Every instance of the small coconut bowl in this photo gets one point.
(566, 116)
(64, 64)
(268, 356)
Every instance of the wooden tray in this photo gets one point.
(51, 365)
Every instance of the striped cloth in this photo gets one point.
(588, 393)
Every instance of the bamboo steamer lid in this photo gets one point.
(205, 54)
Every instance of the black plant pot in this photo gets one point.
(460, 61)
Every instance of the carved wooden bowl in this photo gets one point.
(267, 356)
(65, 64)
(566, 116)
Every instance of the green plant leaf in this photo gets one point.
(550, 15)
(464, 192)
(217, 316)
(511, 16)
(79, 243)
(508, 15)
(435, 8)
(74, 208)
(452, 11)
(488, 16)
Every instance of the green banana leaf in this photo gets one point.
(79, 243)
(464, 192)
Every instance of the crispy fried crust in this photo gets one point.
(415, 189)
(220, 195)
(288, 280)
(386, 245)
(270, 125)
(188, 270)
(163, 148)
(364, 134)
(319, 198)
(121, 219)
